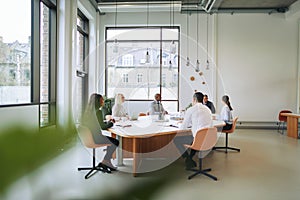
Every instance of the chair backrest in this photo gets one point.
(233, 126)
(86, 137)
(142, 114)
(205, 139)
(283, 118)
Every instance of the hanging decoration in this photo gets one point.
(116, 44)
(197, 62)
(147, 58)
(207, 61)
(187, 39)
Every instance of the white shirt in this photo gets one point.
(118, 110)
(198, 116)
(226, 114)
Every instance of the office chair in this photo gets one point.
(282, 120)
(86, 138)
(204, 141)
(226, 139)
(142, 114)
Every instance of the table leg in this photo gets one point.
(120, 151)
(292, 127)
(136, 158)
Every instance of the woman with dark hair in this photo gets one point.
(93, 119)
(226, 114)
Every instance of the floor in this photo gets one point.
(268, 167)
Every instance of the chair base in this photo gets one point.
(203, 171)
(89, 174)
(227, 148)
(93, 167)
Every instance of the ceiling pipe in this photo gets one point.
(237, 10)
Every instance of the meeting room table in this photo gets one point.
(292, 124)
(145, 135)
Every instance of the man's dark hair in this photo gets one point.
(198, 96)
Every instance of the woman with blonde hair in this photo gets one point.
(118, 109)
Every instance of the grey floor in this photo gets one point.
(268, 167)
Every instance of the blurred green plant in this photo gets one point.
(22, 150)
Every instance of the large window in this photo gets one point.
(81, 65)
(28, 56)
(143, 61)
(15, 50)
(47, 62)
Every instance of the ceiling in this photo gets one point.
(218, 6)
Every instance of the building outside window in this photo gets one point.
(125, 78)
(15, 52)
(47, 62)
(140, 78)
(150, 74)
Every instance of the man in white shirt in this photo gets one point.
(197, 117)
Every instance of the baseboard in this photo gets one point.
(258, 125)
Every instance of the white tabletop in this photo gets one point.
(147, 126)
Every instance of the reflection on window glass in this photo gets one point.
(145, 77)
(15, 48)
(44, 54)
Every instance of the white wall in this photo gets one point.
(25, 116)
(256, 60)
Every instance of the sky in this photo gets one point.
(15, 22)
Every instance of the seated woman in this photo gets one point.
(226, 114)
(118, 109)
(93, 119)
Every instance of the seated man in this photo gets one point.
(209, 104)
(198, 116)
(156, 106)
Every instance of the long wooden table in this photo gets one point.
(292, 124)
(147, 137)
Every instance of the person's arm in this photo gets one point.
(227, 114)
(163, 110)
(213, 109)
(103, 125)
(151, 108)
(187, 119)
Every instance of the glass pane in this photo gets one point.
(128, 71)
(133, 34)
(44, 114)
(170, 71)
(78, 100)
(15, 48)
(170, 34)
(44, 53)
(80, 52)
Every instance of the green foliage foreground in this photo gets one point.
(23, 150)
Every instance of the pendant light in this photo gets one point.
(171, 52)
(207, 61)
(116, 44)
(197, 62)
(173, 45)
(187, 39)
(147, 58)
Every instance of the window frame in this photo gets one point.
(161, 40)
(35, 62)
